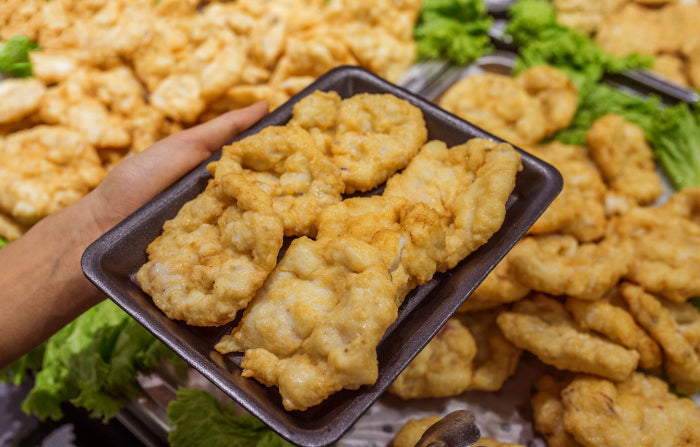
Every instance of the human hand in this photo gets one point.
(139, 178)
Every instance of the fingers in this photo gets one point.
(211, 135)
(182, 151)
(137, 179)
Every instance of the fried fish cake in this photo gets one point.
(499, 287)
(637, 411)
(368, 136)
(496, 357)
(632, 29)
(585, 15)
(96, 103)
(624, 157)
(560, 265)
(681, 361)
(19, 98)
(44, 169)
(314, 326)
(667, 251)
(411, 432)
(498, 104)
(409, 235)
(618, 325)
(684, 203)
(542, 325)
(555, 94)
(548, 411)
(286, 162)
(469, 184)
(579, 209)
(443, 368)
(213, 255)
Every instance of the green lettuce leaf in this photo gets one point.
(673, 132)
(533, 28)
(198, 419)
(453, 30)
(14, 57)
(3, 242)
(92, 363)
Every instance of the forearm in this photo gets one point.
(42, 286)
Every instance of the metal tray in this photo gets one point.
(112, 261)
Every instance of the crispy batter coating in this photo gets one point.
(496, 357)
(307, 56)
(626, 161)
(639, 411)
(555, 94)
(585, 15)
(443, 368)
(542, 326)
(469, 184)
(560, 265)
(286, 162)
(618, 325)
(671, 67)
(548, 411)
(19, 98)
(667, 251)
(685, 203)
(314, 326)
(632, 29)
(96, 103)
(681, 361)
(213, 255)
(412, 431)
(499, 287)
(410, 237)
(44, 169)
(579, 209)
(498, 104)
(368, 136)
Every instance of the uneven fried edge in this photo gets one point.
(618, 325)
(548, 411)
(638, 411)
(681, 362)
(542, 326)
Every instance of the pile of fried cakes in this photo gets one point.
(113, 76)
(313, 320)
(599, 290)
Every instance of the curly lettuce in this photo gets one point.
(540, 39)
(198, 419)
(92, 363)
(14, 57)
(453, 30)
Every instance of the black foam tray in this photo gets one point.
(112, 261)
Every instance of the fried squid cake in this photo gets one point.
(314, 326)
(213, 255)
(44, 169)
(542, 325)
(639, 411)
(287, 164)
(666, 250)
(443, 368)
(625, 159)
(368, 136)
(560, 265)
(467, 184)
